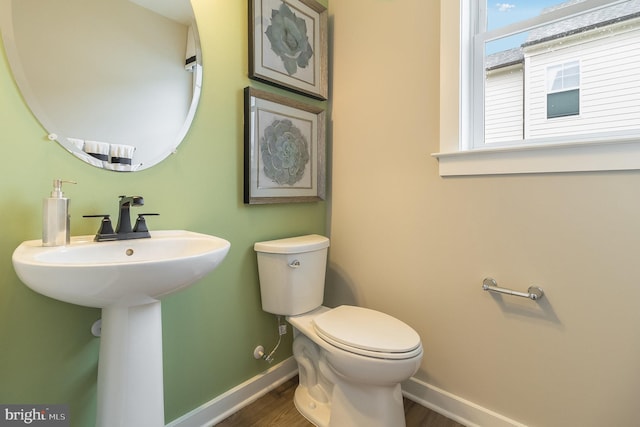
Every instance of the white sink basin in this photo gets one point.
(124, 272)
(125, 278)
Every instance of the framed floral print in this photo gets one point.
(288, 45)
(284, 149)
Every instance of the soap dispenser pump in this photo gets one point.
(55, 217)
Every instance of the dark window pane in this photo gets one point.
(562, 104)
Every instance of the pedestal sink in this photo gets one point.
(125, 279)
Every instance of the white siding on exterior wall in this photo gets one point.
(609, 88)
(503, 104)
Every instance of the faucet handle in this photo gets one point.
(141, 223)
(106, 228)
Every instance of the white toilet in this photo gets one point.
(351, 360)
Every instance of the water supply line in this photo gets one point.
(259, 351)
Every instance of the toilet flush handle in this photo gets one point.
(294, 264)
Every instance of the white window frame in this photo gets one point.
(564, 88)
(462, 122)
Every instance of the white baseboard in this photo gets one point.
(451, 406)
(454, 407)
(238, 397)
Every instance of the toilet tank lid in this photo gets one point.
(293, 245)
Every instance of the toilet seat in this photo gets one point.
(368, 333)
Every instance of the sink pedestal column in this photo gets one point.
(130, 392)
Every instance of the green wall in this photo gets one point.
(47, 353)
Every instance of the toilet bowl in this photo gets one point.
(341, 387)
(351, 359)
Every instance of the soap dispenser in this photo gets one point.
(55, 217)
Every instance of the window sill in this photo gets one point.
(579, 157)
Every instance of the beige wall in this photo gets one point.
(417, 246)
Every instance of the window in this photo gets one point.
(544, 85)
(563, 90)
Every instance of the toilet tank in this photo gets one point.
(292, 273)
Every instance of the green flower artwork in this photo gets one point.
(288, 37)
(285, 152)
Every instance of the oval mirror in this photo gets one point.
(115, 82)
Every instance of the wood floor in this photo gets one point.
(277, 409)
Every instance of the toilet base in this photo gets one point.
(353, 407)
(328, 399)
(315, 412)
